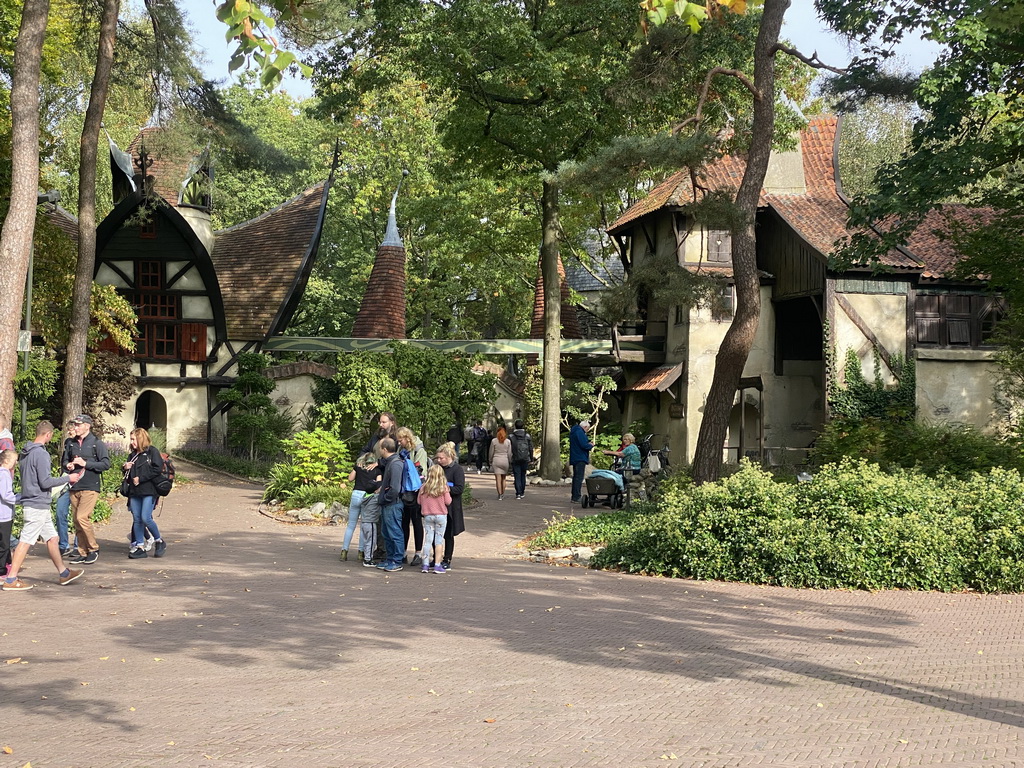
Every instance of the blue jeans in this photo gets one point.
(578, 470)
(353, 518)
(63, 511)
(142, 518)
(391, 527)
(519, 476)
(433, 537)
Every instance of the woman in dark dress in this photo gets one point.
(456, 477)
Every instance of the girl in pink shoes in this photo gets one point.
(434, 499)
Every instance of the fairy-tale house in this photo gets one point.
(202, 296)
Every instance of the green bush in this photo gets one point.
(315, 458)
(592, 530)
(954, 449)
(308, 495)
(854, 526)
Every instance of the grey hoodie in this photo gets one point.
(34, 464)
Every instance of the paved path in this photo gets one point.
(251, 645)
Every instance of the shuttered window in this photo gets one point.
(193, 342)
(956, 320)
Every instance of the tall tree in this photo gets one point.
(74, 364)
(19, 224)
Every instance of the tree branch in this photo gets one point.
(699, 115)
(811, 61)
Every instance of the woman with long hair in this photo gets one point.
(456, 477)
(500, 459)
(144, 465)
(410, 447)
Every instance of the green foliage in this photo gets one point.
(216, 458)
(954, 449)
(859, 399)
(592, 530)
(585, 400)
(315, 458)
(254, 423)
(854, 526)
(425, 390)
(533, 400)
(110, 481)
(308, 495)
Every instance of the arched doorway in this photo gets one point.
(744, 439)
(151, 411)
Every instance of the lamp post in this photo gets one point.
(47, 197)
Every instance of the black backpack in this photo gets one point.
(165, 481)
(521, 448)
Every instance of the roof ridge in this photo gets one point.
(305, 193)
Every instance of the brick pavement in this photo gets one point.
(251, 645)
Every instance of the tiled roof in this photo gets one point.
(600, 274)
(168, 173)
(570, 323)
(657, 379)
(65, 221)
(819, 214)
(382, 310)
(262, 264)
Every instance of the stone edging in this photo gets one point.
(568, 556)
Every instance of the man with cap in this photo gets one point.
(86, 453)
(579, 456)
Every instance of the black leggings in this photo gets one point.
(5, 545)
(411, 516)
(449, 542)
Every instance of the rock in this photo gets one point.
(337, 509)
(305, 514)
(317, 509)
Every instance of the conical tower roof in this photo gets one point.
(382, 310)
(570, 321)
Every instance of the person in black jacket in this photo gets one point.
(456, 477)
(143, 467)
(85, 452)
(522, 455)
(390, 495)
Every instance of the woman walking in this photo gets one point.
(500, 459)
(456, 477)
(144, 466)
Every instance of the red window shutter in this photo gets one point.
(192, 344)
(107, 344)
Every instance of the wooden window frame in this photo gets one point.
(956, 320)
(719, 247)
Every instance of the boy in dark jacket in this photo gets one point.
(391, 504)
(36, 482)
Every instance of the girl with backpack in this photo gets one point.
(142, 469)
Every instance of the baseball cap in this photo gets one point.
(82, 418)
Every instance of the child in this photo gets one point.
(366, 475)
(434, 499)
(8, 458)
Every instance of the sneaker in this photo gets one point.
(446, 565)
(393, 567)
(134, 554)
(416, 560)
(161, 547)
(440, 569)
(149, 542)
(369, 564)
(360, 555)
(382, 564)
(16, 586)
(73, 573)
(78, 559)
(344, 555)
(89, 559)
(426, 568)
(500, 497)
(68, 552)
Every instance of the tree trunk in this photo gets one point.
(551, 389)
(732, 355)
(74, 365)
(20, 222)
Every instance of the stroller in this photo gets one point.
(604, 489)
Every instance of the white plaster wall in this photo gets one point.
(186, 412)
(294, 394)
(956, 386)
(886, 316)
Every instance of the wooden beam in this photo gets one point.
(864, 328)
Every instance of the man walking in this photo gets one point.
(522, 455)
(391, 504)
(86, 453)
(579, 456)
(36, 482)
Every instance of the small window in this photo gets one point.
(165, 341)
(719, 247)
(149, 275)
(147, 229)
(680, 314)
(723, 304)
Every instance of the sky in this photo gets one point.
(802, 27)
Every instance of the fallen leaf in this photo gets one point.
(104, 658)
(131, 709)
(14, 660)
(489, 720)
(170, 743)
(433, 692)
(157, 658)
(8, 750)
(415, 669)
(84, 683)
